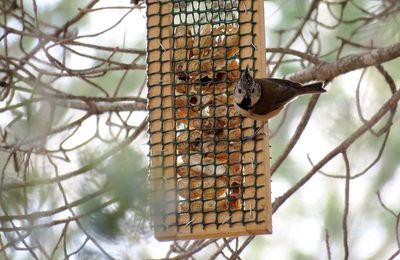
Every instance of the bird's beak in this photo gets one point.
(246, 102)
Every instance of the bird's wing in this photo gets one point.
(275, 94)
(283, 82)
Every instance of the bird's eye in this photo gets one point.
(240, 91)
(252, 91)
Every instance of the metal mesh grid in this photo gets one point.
(204, 177)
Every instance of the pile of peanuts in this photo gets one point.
(208, 126)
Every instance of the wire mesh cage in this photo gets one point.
(205, 180)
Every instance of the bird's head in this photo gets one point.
(247, 91)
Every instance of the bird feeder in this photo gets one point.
(206, 180)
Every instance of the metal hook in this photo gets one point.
(253, 163)
(189, 223)
(230, 216)
(162, 47)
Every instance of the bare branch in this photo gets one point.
(302, 55)
(101, 107)
(328, 71)
(327, 244)
(346, 207)
(340, 148)
(297, 134)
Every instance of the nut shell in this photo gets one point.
(200, 206)
(208, 152)
(206, 188)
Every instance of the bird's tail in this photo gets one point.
(313, 88)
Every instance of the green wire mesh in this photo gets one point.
(199, 56)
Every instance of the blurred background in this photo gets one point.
(73, 141)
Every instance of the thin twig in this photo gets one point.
(327, 244)
(297, 134)
(346, 207)
(387, 106)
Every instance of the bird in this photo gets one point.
(262, 99)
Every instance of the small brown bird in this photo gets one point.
(262, 99)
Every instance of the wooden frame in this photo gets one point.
(258, 46)
(256, 215)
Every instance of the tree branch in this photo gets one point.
(339, 149)
(297, 134)
(303, 55)
(328, 71)
(102, 107)
(346, 207)
(87, 167)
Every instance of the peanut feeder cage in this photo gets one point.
(206, 182)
